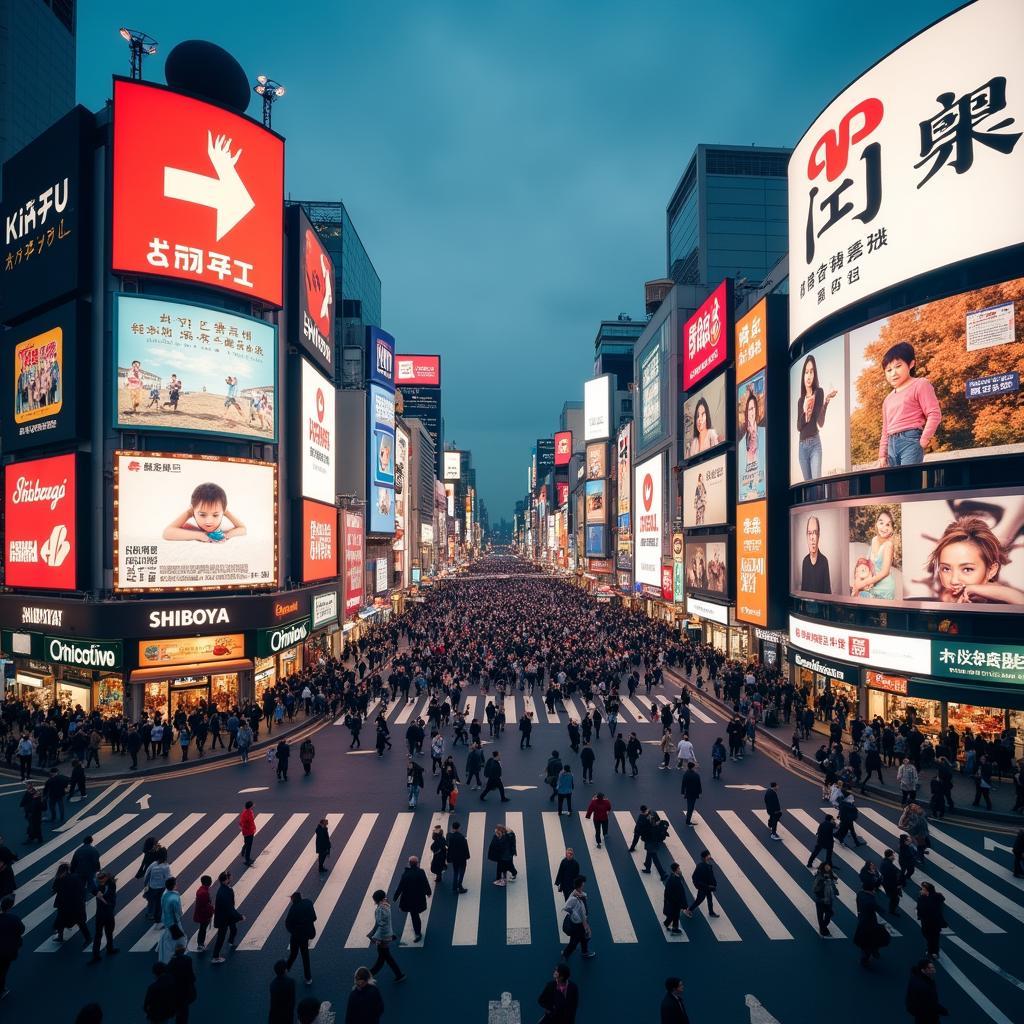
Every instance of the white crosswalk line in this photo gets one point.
(332, 889)
(975, 856)
(986, 892)
(721, 927)
(653, 886)
(637, 713)
(797, 896)
(382, 876)
(88, 809)
(701, 716)
(769, 921)
(59, 839)
(794, 846)
(406, 711)
(439, 818)
(231, 853)
(552, 716)
(275, 907)
(510, 710)
(469, 707)
(517, 895)
(467, 911)
(953, 903)
(371, 708)
(25, 889)
(555, 843)
(609, 893)
(529, 705)
(986, 1004)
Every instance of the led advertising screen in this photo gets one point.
(705, 493)
(312, 297)
(648, 478)
(352, 530)
(597, 461)
(198, 193)
(707, 566)
(318, 438)
(751, 443)
(623, 461)
(707, 335)
(939, 381)
(651, 388)
(934, 551)
(561, 493)
(597, 408)
(545, 457)
(382, 460)
(40, 517)
(563, 448)
(597, 501)
(452, 465)
(705, 419)
(423, 371)
(195, 369)
(752, 563)
(398, 545)
(596, 542)
(319, 541)
(925, 138)
(40, 387)
(193, 522)
(380, 358)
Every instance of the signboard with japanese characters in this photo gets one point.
(925, 141)
(197, 193)
(894, 651)
(707, 336)
(965, 659)
(47, 212)
(311, 291)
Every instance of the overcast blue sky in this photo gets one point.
(507, 165)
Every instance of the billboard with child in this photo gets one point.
(193, 522)
(936, 382)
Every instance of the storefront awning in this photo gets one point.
(962, 693)
(198, 668)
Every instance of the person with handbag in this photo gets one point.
(825, 892)
(560, 998)
(439, 854)
(171, 919)
(576, 923)
(382, 935)
(225, 916)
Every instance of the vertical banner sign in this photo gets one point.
(380, 447)
(597, 408)
(545, 457)
(563, 448)
(678, 568)
(311, 291)
(647, 486)
(667, 583)
(318, 438)
(400, 545)
(352, 529)
(706, 336)
(319, 541)
(752, 563)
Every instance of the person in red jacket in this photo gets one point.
(247, 823)
(600, 807)
(203, 912)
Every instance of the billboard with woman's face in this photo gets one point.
(705, 419)
(751, 453)
(817, 413)
(705, 493)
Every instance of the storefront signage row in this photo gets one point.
(890, 684)
(63, 650)
(325, 608)
(708, 610)
(829, 669)
(271, 641)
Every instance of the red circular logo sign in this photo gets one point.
(648, 492)
(320, 404)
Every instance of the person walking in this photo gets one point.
(675, 899)
(633, 752)
(654, 842)
(153, 882)
(773, 806)
(870, 935)
(413, 782)
(914, 822)
(382, 935)
(673, 1011)
(619, 752)
(474, 765)
(560, 997)
(322, 843)
(172, 920)
(12, 928)
(525, 730)
(922, 998)
(458, 857)
(365, 1005)
(587, 758)
(909, 780)
(568, 872)
(160, 1004)
(183, 975)
(247, 826)
(306, 754)
(599, 808)
(411, 895)
(824, 841)
(492, 772)
(848, 815)
(226, 917)
(892, 881)
(576, 923)
(106, 903)
(704, 883)
(243, 740)
(69, 902)
(563, 789)
(282, 996)
(551, 772)
(665, 746)
(825, 892)
(639, 828)
(1017, 851)
(202, 913)
(283, 753)
(300, 923)
(931, 915)
(438, 854)
(691, 789)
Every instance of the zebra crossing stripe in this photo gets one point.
(986, 892)
(974, 855)
(555, 843)
(467, 912)
(510, 710)
(332, 889)
(382, 876)
(439, 818)
(700, 715)
(627, 703)
(469, 707)
(529, 706)
(275, 907)
(406, 711)
(609, 892)
(90, 809)
(552, 716)
(653, 886)
(721, 927)
(517, 894)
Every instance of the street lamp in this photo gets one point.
(140, 45)
(270, 91)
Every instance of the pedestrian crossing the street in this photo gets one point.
(764, 887)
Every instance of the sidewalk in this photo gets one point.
(1003, 793)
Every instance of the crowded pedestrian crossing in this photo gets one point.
(763, 888)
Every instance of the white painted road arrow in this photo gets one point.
(758, 1014)
(224, 193)
(520, 789)
(143, 802)
(991, 844)
(757, 788)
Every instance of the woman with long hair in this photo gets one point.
(704, 434)
(811, 406)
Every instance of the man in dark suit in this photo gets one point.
(225, 916)
(560, 998)
(458, 856)
(300, 924)
(672, 1009)
(411, 894)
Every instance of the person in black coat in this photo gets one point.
(930, 906)
(323, 845)
(106, 905)
(675, 899)
(672, 1009)
(11, 930)
(568, 872)
(705, 883)
(824, 841)
(411, 894)
(458, 856)
(922, 1000)
(300, 923)
(892, 881)
(365, 1005)
(867, 937)
(282, 996)
(7, 883)
(691, 789)
(439, 853)
(180, 969)
(161, 1000)
(560, 998)
(225, 916)
(773, 806)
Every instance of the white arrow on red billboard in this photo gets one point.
(224, 193)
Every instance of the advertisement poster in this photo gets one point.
(452, 466)
(317, 441)
(751, 443)
(752, 563)
(422, 371)
(678, 568)
(319, 541)
(193, 522)
(819, 420)
(924, 138)
(195, 369)
(545, 456)
(38, 374)
(41, 534)
(893, 651)
(647, 518)
(398, 545)
(382, 409)
(201, 649)
(597, 503)
(561, 493)
(707, 565)
(312, 302)
(705, 493)
(623, 462)
(597, 406)
(198, 193)
(752, 341)
(596, 545)
(380, 364)
(563, 448)
(705, 419)
(597, 461)
(706, 336)
(352, 528)
(651, 360)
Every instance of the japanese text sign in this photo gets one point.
(705, 340)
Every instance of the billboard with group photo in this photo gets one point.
(936, 382)
(928, 551)
(706, 562)
(705, 493)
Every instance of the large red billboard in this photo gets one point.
(422, 370)
(352, 531)
(198, 193)
(706, 336)
(319, 541)
(41, 540)
(563, 448)
(312, 291)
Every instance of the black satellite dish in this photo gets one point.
(208, 70)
